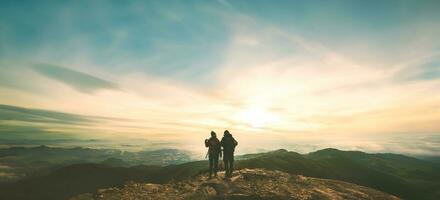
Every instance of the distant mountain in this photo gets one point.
(21, 162)
(399, 175)
(79, 154)
(402, 176)
(115, 162)
(434, 159)
(258, 184)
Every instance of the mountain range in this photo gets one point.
(398, 175)
(21, 162)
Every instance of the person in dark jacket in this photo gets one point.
(214, 152)
(228, 143)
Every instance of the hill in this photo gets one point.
(245, 184)
(403, 176)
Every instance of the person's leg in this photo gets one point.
(215, 164)
(211, 160)
(228, 157)
(225, 162)
(231, 166)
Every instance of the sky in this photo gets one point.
(300, 75)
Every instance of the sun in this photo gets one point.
(256, 117)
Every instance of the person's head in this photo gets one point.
(213, 134)
(227, 133)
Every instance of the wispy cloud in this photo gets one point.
(78, 80)
(18, 123)
(8, 112)
(425, 68)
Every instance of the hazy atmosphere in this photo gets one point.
(301, 75)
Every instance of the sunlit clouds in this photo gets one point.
(163, 76)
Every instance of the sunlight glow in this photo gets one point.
(256, 117)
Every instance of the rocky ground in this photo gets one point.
(245, 184)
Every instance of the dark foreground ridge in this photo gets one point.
(259, 184)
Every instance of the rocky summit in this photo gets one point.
(244, 184)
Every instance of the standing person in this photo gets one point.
(228, 143)
(214, 152)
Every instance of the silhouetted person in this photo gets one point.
(214, 152)
(228, 143)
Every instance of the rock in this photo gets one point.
(245, 184)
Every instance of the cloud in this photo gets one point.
(27, 132)
(424, 69)
(18, 123)
(78, 80)
(15, 113)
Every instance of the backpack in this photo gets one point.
(229, 143)
(213, 144)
